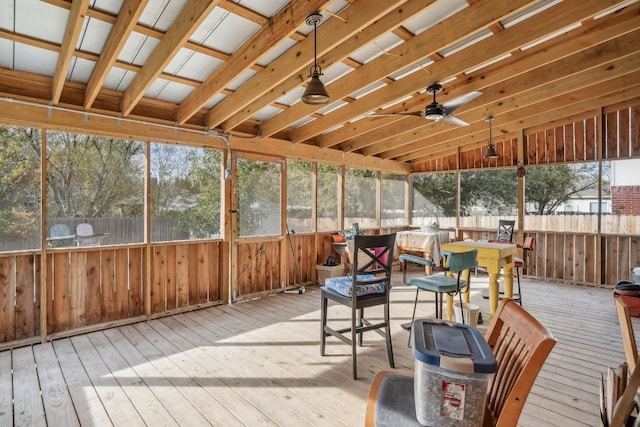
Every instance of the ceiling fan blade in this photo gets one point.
(453, 120)
(451, 105)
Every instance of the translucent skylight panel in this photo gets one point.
(94, 35)
(291, 97)
(112, 6)
(80, 69)
(434, 14)
(278, 50)
(226, 32)
(266, 113)
(334, 72)
(486, 64)
(377, 48)
(336, 127)
(35, 60)
(137, 48)
(160, 14)
(193, 65)
(6, 53)
(551, 36)
(264, 8)
(397, 101)
(242, 78)
(368, 89)
(40, 20)
(118, 79)
(166, 90)
(334, 106)
(418, 66)
(615, 9)
(528, 12)
(6, 16)
(215, 100)
(303, 121)
(466, 42)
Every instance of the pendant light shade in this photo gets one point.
(315, 93)
(491, 149)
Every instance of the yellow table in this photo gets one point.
(493, 257)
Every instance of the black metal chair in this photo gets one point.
(368, 285)
(505, 230)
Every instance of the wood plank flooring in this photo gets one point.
(257, 363)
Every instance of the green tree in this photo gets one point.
(204, 216)
(19, 181)
(548, 187)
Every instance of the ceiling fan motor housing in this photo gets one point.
(434, 111)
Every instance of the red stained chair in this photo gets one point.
(527, 247)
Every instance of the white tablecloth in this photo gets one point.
(425, 241)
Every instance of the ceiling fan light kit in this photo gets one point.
(491, 149)
(315, 93)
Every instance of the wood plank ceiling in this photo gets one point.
(240, 67)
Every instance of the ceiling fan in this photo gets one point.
(440, 112)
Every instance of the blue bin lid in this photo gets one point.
(433, 339)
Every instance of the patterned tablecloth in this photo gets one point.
(423, 241)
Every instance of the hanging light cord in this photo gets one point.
(316, 68)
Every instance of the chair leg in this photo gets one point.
(323, 322)
(461, 310)
(360, 325)
(354, 360)
(413, 316)
(519, 291)
(388, 336)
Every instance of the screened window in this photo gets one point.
(561, 197)
(94, 190)
(393, 200)
(328, 203)
(185, 193)
(19, 188)
(360, 198)
(299, 196)
(488, 196)
(434, 199)
(258, 197)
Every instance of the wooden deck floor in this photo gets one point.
(258, 363)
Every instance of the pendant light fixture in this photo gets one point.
(491, 149)
(315, 93)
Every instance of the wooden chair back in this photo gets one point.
(521, 345)
(626, 330)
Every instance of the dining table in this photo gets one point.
(425, 241)
(493, 256)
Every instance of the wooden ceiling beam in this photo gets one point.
(127, 19)
(445, 33)
(590, 34)
(281, 26)
(187, 21)
(338, 39)
(534, 28)
(597, 63)
(75, 21)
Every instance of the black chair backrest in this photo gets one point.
(374, 255)
(505, 230)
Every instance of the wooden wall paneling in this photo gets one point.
(136, 281)
(624, 143)
(107, 278)
(197, 283)
(634, 130)
(569, 143)
(159, 279)
(560, 145)
(7, 311)
(590, 258)
(579, 140)
(559, 259)
(568, 257)
(580, 266)
(541, 254)
(171, 277)
(612, 257)
(182, 275)
(49, 291)
(265, 264)
(94, 287)
(611, 136)
(37, 284)
(590, 141)
(77, 289)
(25, 310)
(549, 255)
(624, 258)
(245, 268)
(61, 295)
(215, 257)
(121, 277)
